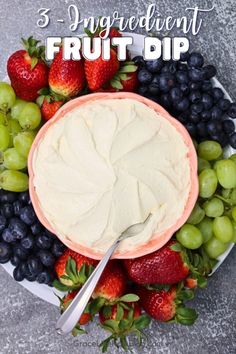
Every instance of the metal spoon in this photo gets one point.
(71, 316)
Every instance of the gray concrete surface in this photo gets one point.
(26, 322)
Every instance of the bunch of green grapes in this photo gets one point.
(212, 223)
(18, 123)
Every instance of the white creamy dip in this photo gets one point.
(106, 165)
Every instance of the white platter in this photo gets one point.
(48, 294)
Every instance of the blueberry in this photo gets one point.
(173, 66)
(182, 67)
(232, 140)
(209, 71)
(182, 105)
(196, 108)
(166, 100)
(166, 82)
(43, 241)
(191, 128)
(228, 126)
(184, 88)
(5, 252)
(195, 96)
(34, 265)
(7, 236)
(20, 252)
(194, 86)
(221, 138)
(17, 206)
(45, 277)
(182, 77)
(216, 113)
(57, 248)
(142, 90)
(36, 228)
(196, 74)
(18, 228)
(176, 94)
(207, 101)
(217, 94)
(184, 56)
(46, 258)
(24, 268)
(206, 86)
(50, 234)
(138, 60)
(154, 66)
(153, 98)
(28, 242)
(144, 77)
(202, 130)
(153, 89)
(232, 110)
(3, 223)
(7, 210)
(195, 60)
(194, 117)
(24, 197)
(205, 116)
(214, 127)
(15, 260)
(156, 79)
(17, 274)
(224, 104)
(31, 277)
(7, 197)
(28, 215)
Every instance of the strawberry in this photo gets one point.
(167, 265)
(98, 72)
(49, 108)
(66, 77)
(27, 71)
(166, 304)
(126, 79)
(130, 84)
(190, 283)
(110, 312)
(65, 302)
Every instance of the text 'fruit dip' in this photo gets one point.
(104, 166)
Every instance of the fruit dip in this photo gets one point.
(105, 166)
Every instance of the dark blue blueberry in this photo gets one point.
(31, 277)
(153, 89)
(196, 108)
(205, 116)
(216, 113)
(7, 236)
(20, 252)
(57, 248)
(206, 86)
(36, 228)
(209, 71)
(214, 127)
(154, 66)
(207, 101)
(138, 60)
(18, 228)
(153, 98)
(183, 117)
(17, 206)
(228, 126)
(142, 90)
(45, 277)
(195, 96)
(28, 215)
(24, 268)
(194, 117)
(43, 241)
(15, 260)
(166, 100)
(202, 130)
(24, 197)
(7, 210)
(34, 265)
(156, 79)
(184, 56)
(217, 93)
(46, 258)
(17, 274)
(182, 105)
(195, 60)
(28, 242)
(173, 66)
(184, 88)
(196, 74)
(5, 252)
(3, 223)
(182, 67)
(193, 86)
(224, 104)
(7, 197)
(166, 82)
(232, 110)
(232, 140)
(221, 138)
(50, 234)
(176, 94)
(182, 77)
(191, 128)
(144, 77)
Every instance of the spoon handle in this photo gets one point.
(70, 317)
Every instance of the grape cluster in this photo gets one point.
(212, 222)
(24, 241)
(184, 88)
(18, 123)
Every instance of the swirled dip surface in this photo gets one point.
(105, 166)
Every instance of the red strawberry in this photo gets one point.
(110, 312)
(126, 79)
(112, 283)
(98, 72)
(49, 108)
(164, 266)
(27, 71)
(164, 305)
(190, 283)
(65, 302)
(130, 84)
(66, 77)
(114, 32)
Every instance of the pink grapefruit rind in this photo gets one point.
(157, 240)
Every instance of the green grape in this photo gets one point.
(233, 157)
(30, 116)
(226, 193)
(190, 237)
(214, 207)
(197, 215)
(203, 164)
(7, 96)
(214, 247)
(13, 128)
(223, 229)
(17, 108)
(226, 173)
(23, 141)
(207, 183)
(209, 150)
(234, 213)
(14, 181)
(3, 118)
(234, 227)
(4, 137)
(206, 228)
(13, 160)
